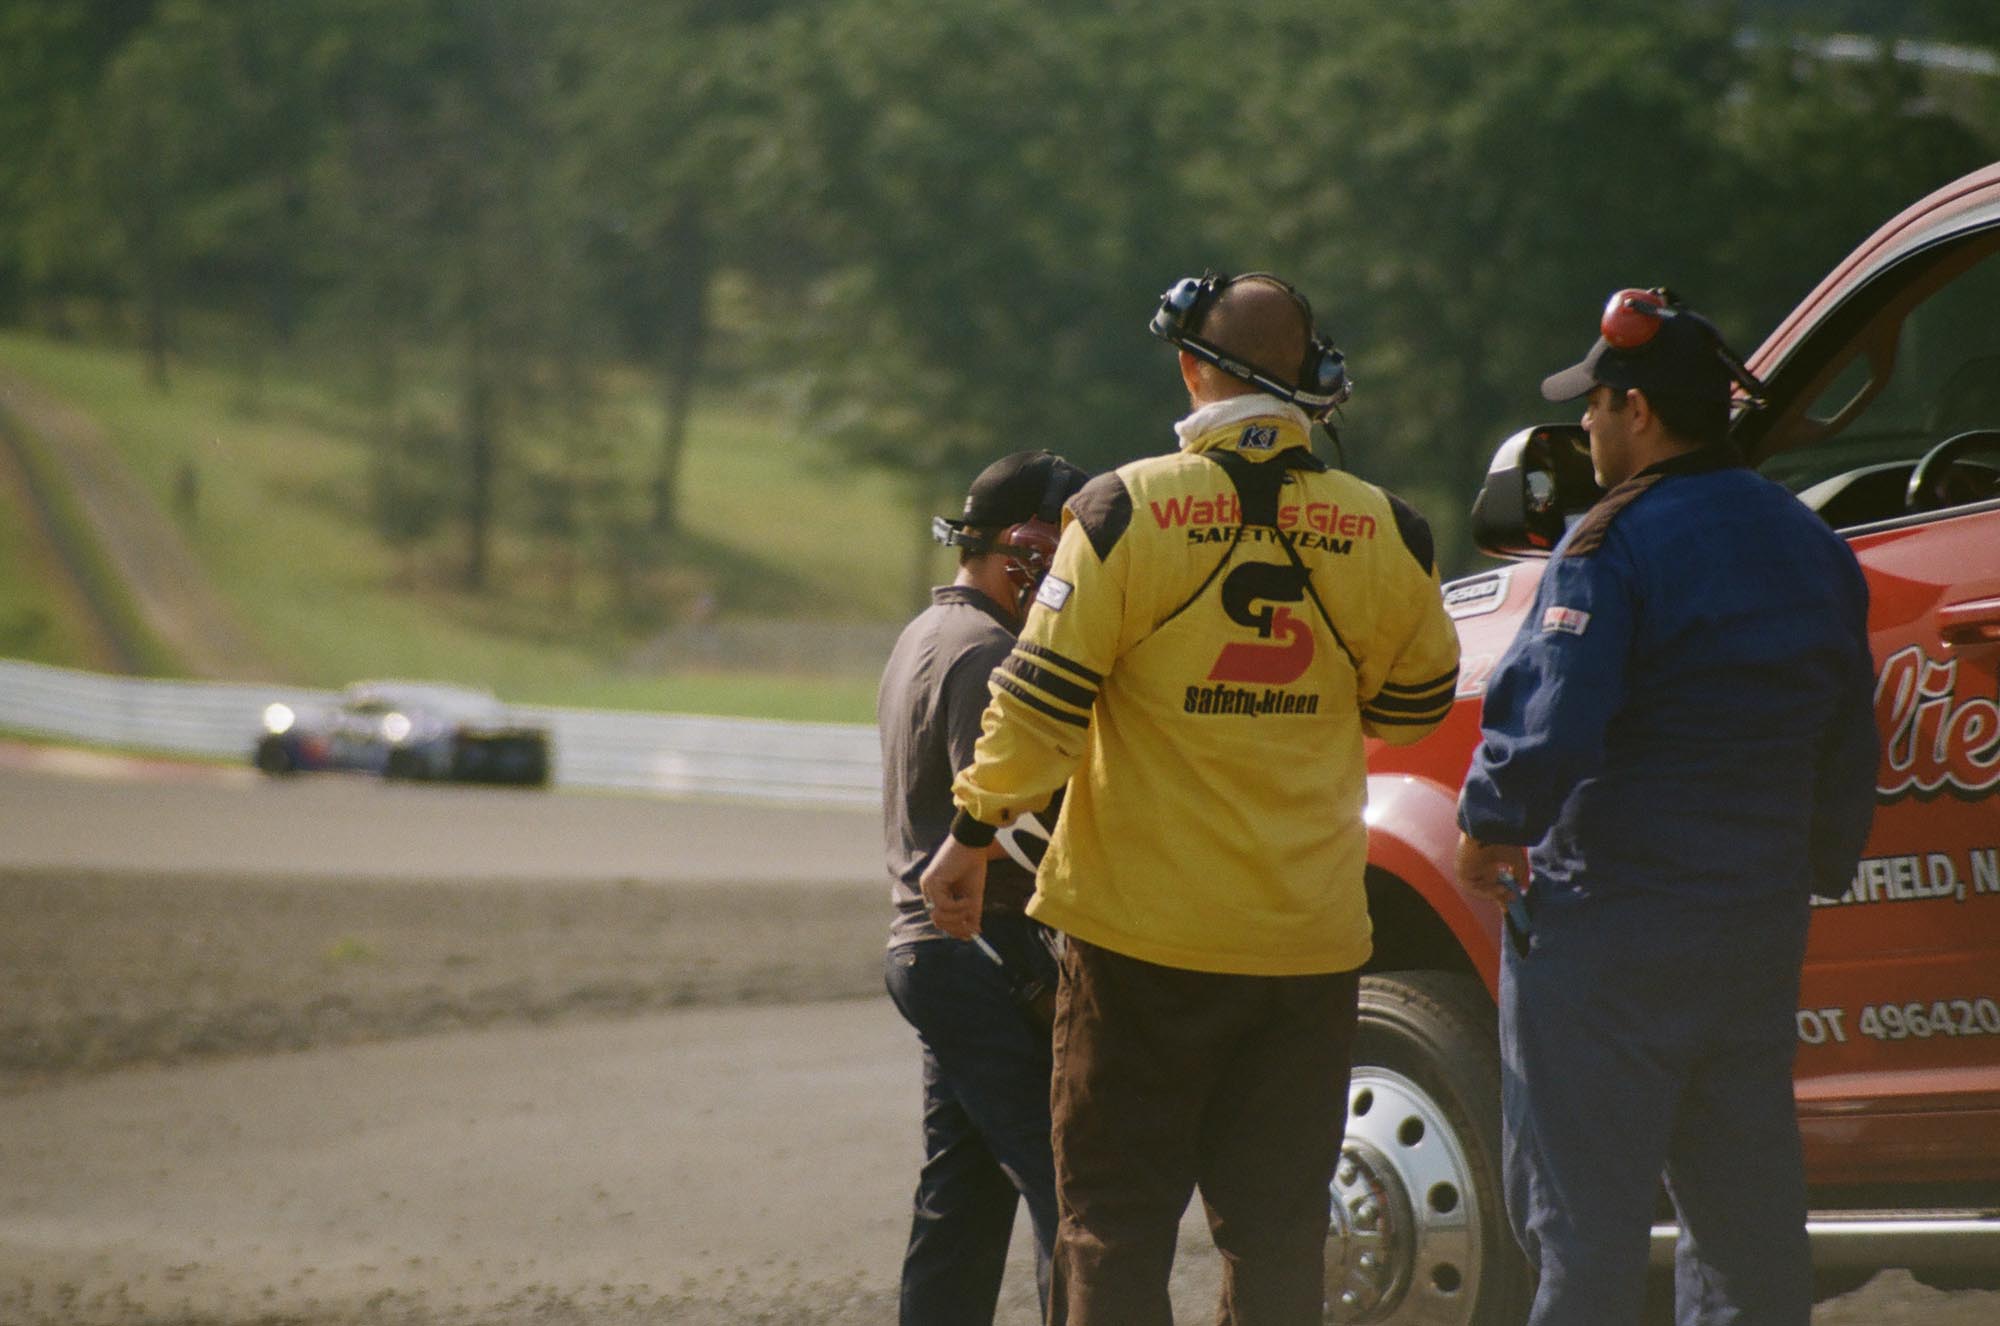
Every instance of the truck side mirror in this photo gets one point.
(1540, 481)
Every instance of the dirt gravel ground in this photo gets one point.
(630, 1091)
(189, 912)
(103, 969)
(264, 1081)
(634, 1170)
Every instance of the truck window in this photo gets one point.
(1924, 367)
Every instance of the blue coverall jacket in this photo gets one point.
(1688, 707)
(1682, 730)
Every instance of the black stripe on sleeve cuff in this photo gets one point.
(1047, 679)
(972, 832)
(1068, 665)
(1405, 720)
(1027, 697)
(1422, 687)
(1396, 704)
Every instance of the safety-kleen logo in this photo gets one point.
(1255, 594)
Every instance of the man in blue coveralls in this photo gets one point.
(1681, 736)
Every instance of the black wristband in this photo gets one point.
(972, 832)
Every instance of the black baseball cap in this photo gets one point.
(1027, 485)
(1681, 359)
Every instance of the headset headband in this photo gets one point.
(1184, 307)
(1632, 317)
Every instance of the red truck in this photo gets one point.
(1881, 411)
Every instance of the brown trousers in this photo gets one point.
(1167, 1080)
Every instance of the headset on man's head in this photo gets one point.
(1322, 383)
(1029, 545)
(1632, 317)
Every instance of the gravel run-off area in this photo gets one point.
(103, 969)
(636, 1089)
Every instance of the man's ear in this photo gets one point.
(1637, 409)
(1191, 374)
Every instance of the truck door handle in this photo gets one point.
(1974, 622)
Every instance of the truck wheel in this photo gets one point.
(1420, 1230)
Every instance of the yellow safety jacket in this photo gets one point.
(1205, 693)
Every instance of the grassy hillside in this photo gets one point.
(776, 598)
(39, 616)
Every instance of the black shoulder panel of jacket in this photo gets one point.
(1416, 532)
(1104, 508)
(1596, 523)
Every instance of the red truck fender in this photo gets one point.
(1412, 830)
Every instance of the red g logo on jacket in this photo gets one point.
(1255, 595)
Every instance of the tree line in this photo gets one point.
(935, 230)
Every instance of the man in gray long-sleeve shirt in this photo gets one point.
(986, 1061)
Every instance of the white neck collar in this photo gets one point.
(1235, 409)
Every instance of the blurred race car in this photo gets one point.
(406, 730)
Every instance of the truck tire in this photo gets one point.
(1420, 1230)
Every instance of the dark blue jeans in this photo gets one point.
(986, 1120)
(1641, 1035)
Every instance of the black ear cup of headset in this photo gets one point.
(1322, 380)
(1179, 314)
(1323, 376)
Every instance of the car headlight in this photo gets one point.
(395, 726)
(278, 718)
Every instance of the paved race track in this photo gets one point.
(713, 1123)
(143, 816)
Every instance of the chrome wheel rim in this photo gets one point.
(1404, 1245)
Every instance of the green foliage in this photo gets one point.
(1855, 142)
(53, 54)
(409, 485)
(107, 628)
(285, 530)
(932, 232)
(1006, 214)
(38, 620)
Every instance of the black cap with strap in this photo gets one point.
(1027, 485)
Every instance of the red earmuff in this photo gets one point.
(1633, 316)
(1029, 548)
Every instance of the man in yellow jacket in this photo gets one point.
(1220, 630)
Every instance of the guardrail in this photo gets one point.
(755, 759)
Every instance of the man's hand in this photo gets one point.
(954, 885)
(1480, 866)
